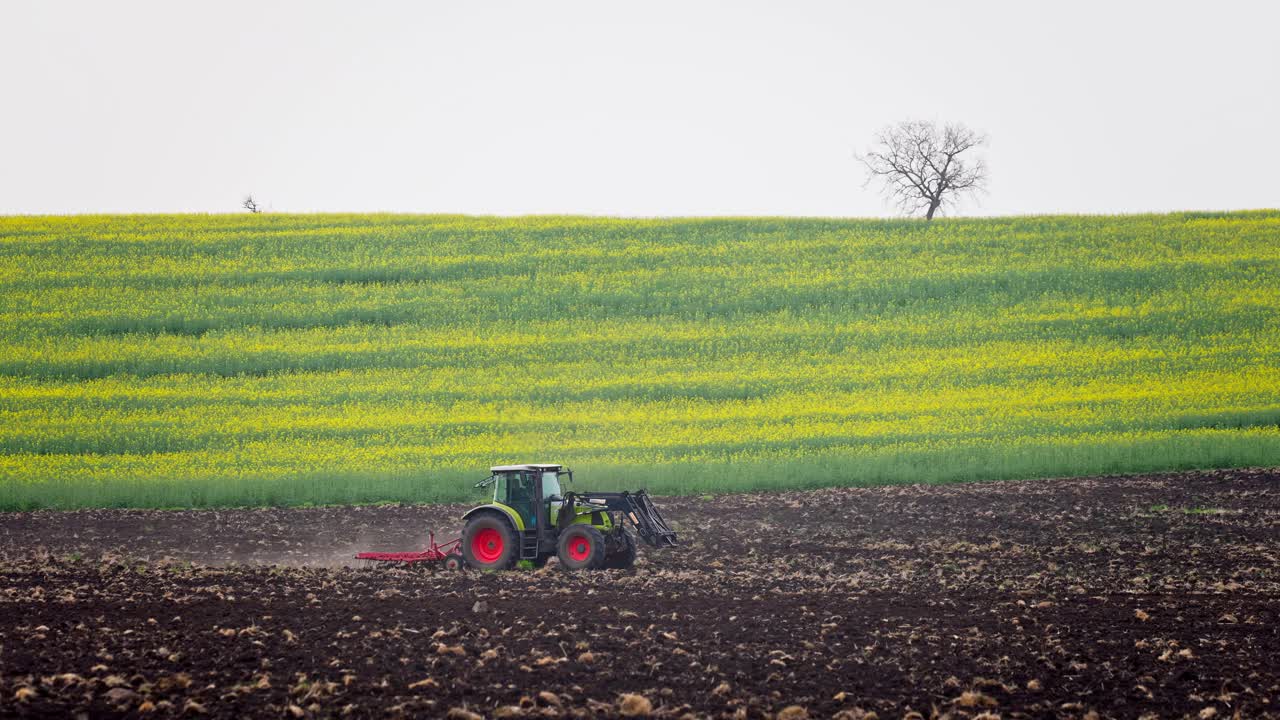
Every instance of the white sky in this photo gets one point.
(640, 108)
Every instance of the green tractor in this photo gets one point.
(531, 519)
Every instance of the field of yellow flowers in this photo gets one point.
(289, 359)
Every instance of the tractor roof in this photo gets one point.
(530, 466)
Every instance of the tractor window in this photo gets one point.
(550, 485)
(520, 487)
(519, 490)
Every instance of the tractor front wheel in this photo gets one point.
(489, 543)
(581, 547)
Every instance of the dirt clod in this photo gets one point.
(631, 705)
(120, 696)
(970, 699)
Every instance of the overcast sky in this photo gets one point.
(638, 108)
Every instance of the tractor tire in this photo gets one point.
(490, 543)
(453, 563)
(581, 547)
(624, 557)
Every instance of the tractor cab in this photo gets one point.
(532, 491)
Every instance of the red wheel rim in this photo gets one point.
(486, 545)
(579, 548)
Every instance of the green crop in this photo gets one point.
(288, 359)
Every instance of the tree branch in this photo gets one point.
(922, 166)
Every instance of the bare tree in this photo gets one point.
(924, 167)
(251, 205)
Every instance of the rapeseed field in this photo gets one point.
(176, 361)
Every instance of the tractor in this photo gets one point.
(531, 519)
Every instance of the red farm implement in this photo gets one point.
(449, 553)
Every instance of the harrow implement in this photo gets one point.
(449, 553)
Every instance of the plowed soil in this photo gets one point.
(1153, 596)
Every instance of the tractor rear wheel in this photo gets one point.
(489, 543)
(625, 555)
(581, 547)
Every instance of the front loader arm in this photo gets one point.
(634, 507)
